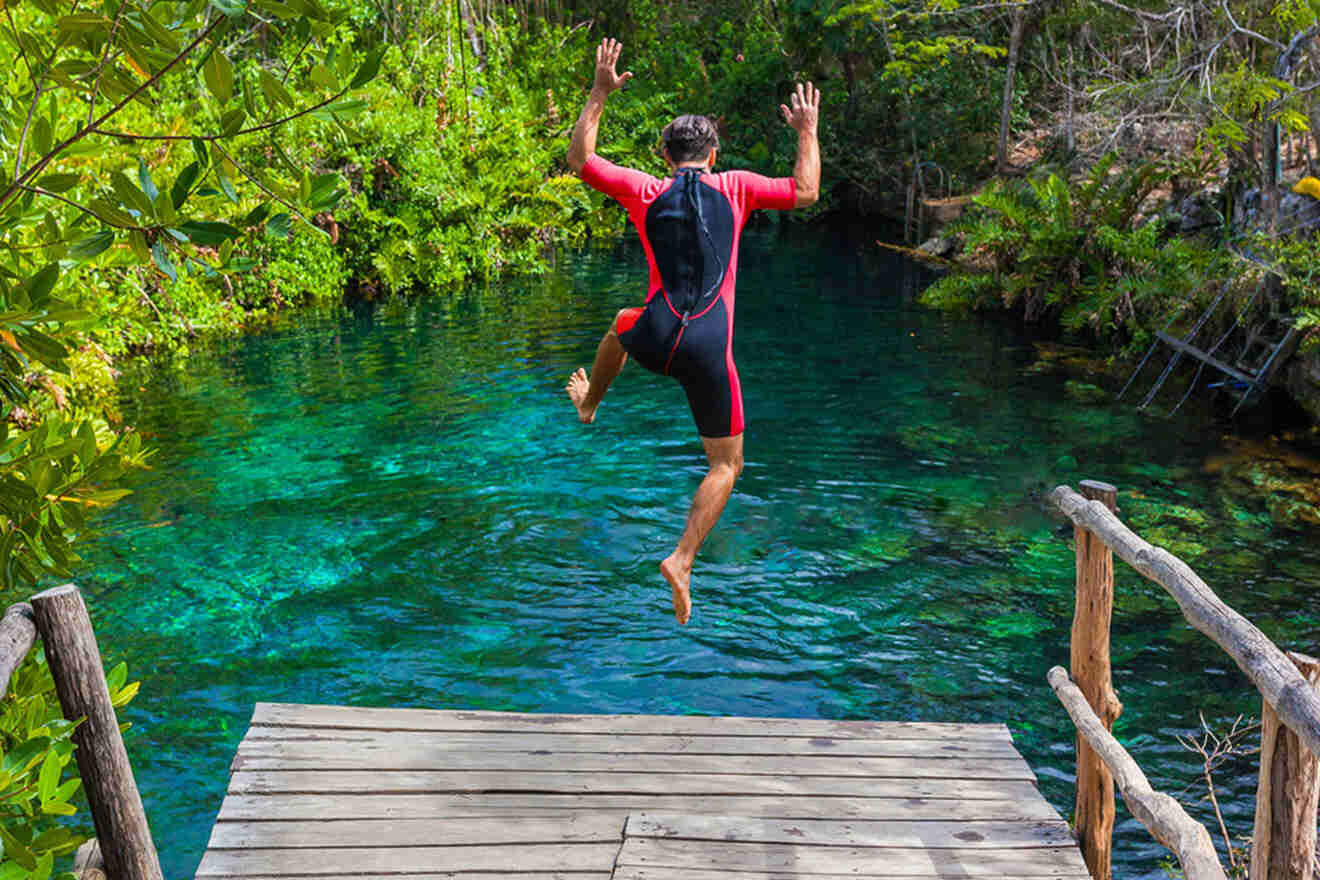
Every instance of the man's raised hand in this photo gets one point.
(607, 55)
(803, 108)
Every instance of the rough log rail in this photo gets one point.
(1163, 817)
(1284, 842)
(60, 617)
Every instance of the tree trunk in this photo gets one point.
(1094, 608)
(1283, 842)
(1006, 110)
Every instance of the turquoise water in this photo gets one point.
(397, 506)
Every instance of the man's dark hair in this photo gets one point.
(689, 138)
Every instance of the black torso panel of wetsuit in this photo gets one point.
(690, 227)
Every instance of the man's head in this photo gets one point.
(689, 138)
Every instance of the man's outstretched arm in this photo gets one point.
(802, 114)
(584, 133)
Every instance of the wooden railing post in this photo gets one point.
(112, 794)
(1093, 812)
(1283, 842)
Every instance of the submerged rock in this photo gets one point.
(1285, 479)
(1085, 392)
(1302, 381)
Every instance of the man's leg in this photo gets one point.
(586, 393)
(725, 455)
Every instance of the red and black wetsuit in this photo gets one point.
(690, 224)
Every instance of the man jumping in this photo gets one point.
(689, 224)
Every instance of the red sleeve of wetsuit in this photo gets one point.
(775, 193)
(624, 184)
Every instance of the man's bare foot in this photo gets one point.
(577, 387)
(679, 578)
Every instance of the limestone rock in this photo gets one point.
(1302, 379)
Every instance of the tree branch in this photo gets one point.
(88, 211)
(105, 56)
(18, 183)
(212, 138)
(261, 186)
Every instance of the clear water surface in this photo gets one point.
(398, 507)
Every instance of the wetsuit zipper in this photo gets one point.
(677, 341)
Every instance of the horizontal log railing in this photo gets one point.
(60, 617)
(1289, 778)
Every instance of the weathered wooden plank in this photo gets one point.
(628, 743)
(298, 715)
(420, 756)
(593, 827)
(244, 807)
(865, 861)
(348, 861)
(639, 872)
(420, 781)
(855, 833)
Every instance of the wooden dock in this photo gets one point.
(320, 792)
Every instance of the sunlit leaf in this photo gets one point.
(219, 75)
(49, 778)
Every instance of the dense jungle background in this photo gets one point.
(175, 171)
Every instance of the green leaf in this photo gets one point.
(321, 75)
(210, 234)
(66, 791)
(183, 184)
(49, 778)
(280, 225)
(125, 695)
(257, 214)
(276, 8)
(59, 183)
(199, 150)
(231, 8)
(226, 186)
(41, 284)
(115, 678)
(232, 121)
(370, 66)
(56, 808)
(273, 89)
(219, 75)
(41, 136)
(109, 213)
(158, 32)
(92, 245)
(132, 197)
(162, 260)
(83, 23)
(164, 207)
(144, 178)
(138, 241)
